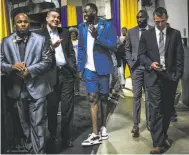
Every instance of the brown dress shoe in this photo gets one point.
(135, 131)
(157, 150)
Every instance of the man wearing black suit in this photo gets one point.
(137, 70)
(62, 77)
(161, 52)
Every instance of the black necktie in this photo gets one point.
(21, 47)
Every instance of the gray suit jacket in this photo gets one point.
(131, 47)
(38, 60)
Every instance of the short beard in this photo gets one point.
(143, 24)
(23, 33)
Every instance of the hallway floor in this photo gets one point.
(121, 140)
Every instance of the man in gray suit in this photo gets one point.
(137, 70)
(25, 57)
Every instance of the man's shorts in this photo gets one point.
(96, 83)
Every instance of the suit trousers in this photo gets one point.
(162, 96)
(33, 120)
(65, 94)
(52, 110)
(138, 83)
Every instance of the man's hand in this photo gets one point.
(155, 66)
(56, 43)
(18, 66)
(93, 31)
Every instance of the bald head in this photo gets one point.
(21, 15)
(21, 23)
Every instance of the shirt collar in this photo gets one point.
(147, 27)
(51, 30)
(18, 38)
(158, 31)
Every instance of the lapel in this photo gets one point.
(154, 42)
(46, 33)
(15, 47)
(61, 36)
(100, 27)
(167, 39)
(85, 33)
(137, 34)
(29, 46)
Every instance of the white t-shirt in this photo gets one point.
(90, 59)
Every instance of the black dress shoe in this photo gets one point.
(168, 142)
(135, 131)
(67, 144)
(173, 119)
(157, 150)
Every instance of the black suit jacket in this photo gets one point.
(174, 55)
(68, 51)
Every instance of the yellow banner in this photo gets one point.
(72, 15)
(128, 12)
(3, 21)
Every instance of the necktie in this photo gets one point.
(161, 44)
(141, 30)
(162, 49)
(21, 47)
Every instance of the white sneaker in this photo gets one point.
(104, 134)
(92, 140)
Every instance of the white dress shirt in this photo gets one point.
(59, 55)
(162, 56)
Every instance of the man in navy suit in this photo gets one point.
(97, 39)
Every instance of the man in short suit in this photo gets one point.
(97, 39)
(162, 54)
(61, 77)
(25, 57)
(137, 70)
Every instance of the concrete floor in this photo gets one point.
(121, 141)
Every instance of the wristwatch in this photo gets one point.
(25, 69)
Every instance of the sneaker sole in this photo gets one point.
(104, 137)
(94, 143)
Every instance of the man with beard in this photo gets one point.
(97, 39)
(137, 70)
(25, 57)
